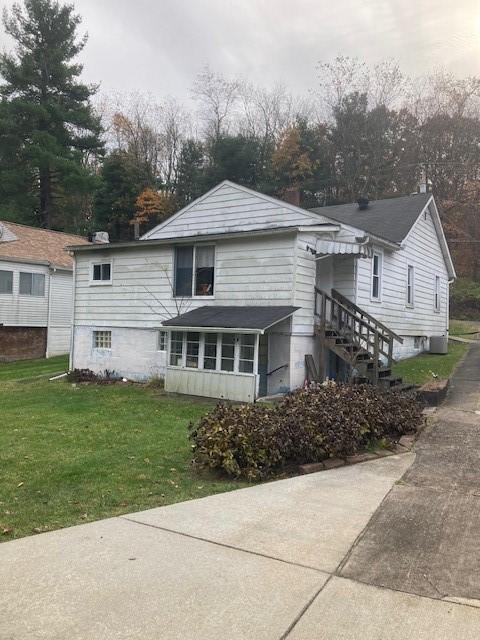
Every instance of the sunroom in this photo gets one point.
(229, 352)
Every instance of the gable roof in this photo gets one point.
(390, 219)
(38, 246)
(231, 207)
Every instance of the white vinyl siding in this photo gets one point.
(60, 313)
(422, 251)
(248, 271)
(24, 310)
(230, 208)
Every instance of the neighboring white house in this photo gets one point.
(36, 287)
(227, 297)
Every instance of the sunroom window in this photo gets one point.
(193, 348)
(210, 351)
(176, 349)
(228, 352)
(247, 353)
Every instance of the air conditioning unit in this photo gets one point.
(439, 344)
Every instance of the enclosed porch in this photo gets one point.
(234, 353)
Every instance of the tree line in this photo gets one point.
(74, 159)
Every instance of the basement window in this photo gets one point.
(32, 284)
(162, 341)
(6, 281)
(102, 339)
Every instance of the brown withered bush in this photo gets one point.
(309, 425)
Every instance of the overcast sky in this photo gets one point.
(158, 46)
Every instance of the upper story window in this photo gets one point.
(410, 285)
(436, 301)
(376, 276)
(194, 270)
(32, 284)
(6, 281)
(101, 273)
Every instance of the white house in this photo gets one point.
(36, 291)
(240, 295)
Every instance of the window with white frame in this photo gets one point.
(436, 301)
(246, 353)
(210, 351)
(102, 272)
(227, 352)
(410, 285)
(102, 339)
(32, 284)
(194, 270)
(6, 281)
(193, 350)
(176, 348)
(162, 341)
(376, 276)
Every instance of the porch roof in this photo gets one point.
(336, 247)
(255, 319)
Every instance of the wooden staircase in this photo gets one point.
(364, 343)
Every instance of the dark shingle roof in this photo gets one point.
(390, 219)
(257, 317)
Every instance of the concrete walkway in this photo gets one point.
(363, 552)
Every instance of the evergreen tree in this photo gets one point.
(48, 130)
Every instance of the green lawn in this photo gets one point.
(466, 328)
(71, 454)
(31, 369)
(419, 369)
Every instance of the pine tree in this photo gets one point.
(49, 133)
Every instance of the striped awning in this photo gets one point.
(336, 247)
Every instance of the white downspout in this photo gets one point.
(72, 328)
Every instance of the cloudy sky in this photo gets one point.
(158, 46)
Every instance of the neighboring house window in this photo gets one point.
(102, 273)
(194, 271)
(162, 341)
(6, 281)
(102, 339)
(376, 275)
(410, 285)
(32, 284)
(176, 349)
(437, 293)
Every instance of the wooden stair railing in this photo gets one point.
(364, 334)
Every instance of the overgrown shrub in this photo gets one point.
(309, 425)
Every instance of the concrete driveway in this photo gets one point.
(361, 552)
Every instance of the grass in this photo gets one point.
(32, 369)
(418, 369)
(70, 455)
(464, 328)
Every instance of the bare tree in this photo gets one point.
(217, 98)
